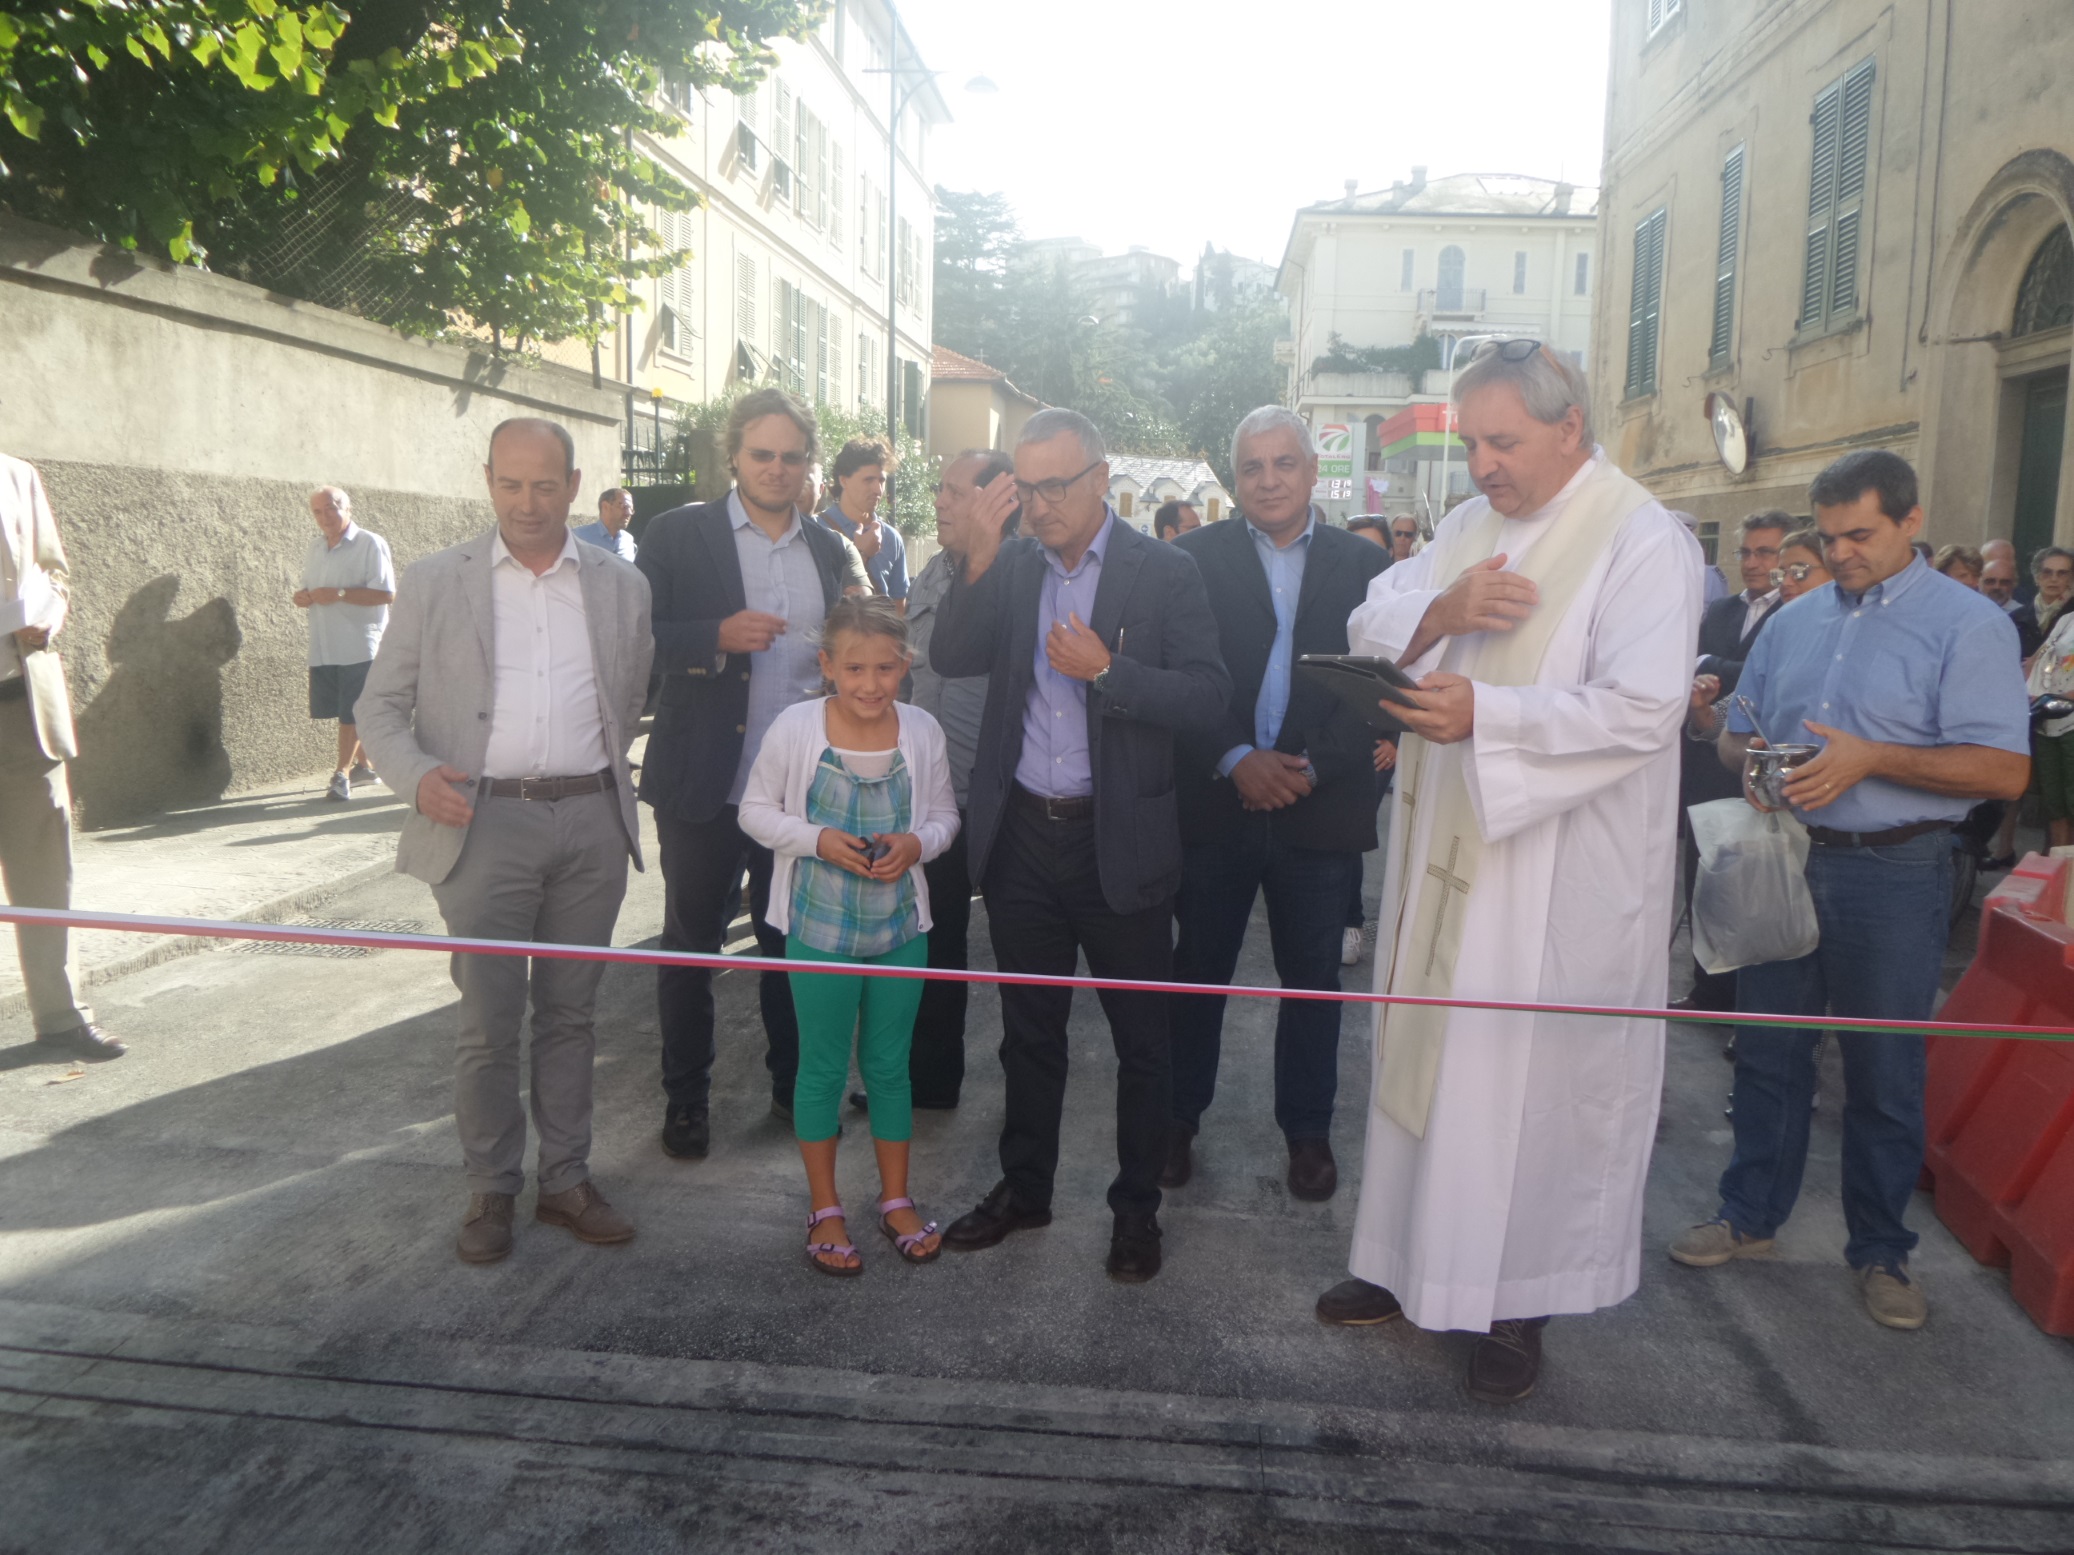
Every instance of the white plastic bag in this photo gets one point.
(1750, 900)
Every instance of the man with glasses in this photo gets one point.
(1404, 537)
(1727, 630)
(1101, 648)
(740, 588)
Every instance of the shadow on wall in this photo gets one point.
(152, 739)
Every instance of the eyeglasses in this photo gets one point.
(1508, 350)
(1750, 553)
(1796, 571)
(1052, 491)
(793, 458)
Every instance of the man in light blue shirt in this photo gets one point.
(1910, 684)
(348, 584)
(610, 533)
(859, 474)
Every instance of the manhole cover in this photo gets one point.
(271, 947)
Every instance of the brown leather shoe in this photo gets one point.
(1506, 1362)
(584, 1211)
(485, 1229)
(1313, 1174)
(1180, 1157)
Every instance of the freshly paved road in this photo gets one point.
(231, 1320)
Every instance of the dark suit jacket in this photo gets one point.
(1166, 679)
(2028, 638)
(688, 557)
(1340, 815)
(1723, 648)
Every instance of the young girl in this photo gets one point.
(852, 793)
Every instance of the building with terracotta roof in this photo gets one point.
(972, 405)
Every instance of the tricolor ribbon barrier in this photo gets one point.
(366, 939)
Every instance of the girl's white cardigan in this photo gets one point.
(774, 804)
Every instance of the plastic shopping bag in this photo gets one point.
(1750, 900)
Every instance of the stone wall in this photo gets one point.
(180, 420)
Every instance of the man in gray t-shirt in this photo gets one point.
(936, 1059)
(348, 583)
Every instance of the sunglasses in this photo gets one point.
(793, 460)
(1509, 350)
(1795, 571)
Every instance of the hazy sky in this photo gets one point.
(1168, 122)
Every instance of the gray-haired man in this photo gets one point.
(348, 582)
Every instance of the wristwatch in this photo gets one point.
(1101, 681)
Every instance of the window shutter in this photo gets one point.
(1646, 303)
(1584, 271)
(1725, 256)
(1656, 15)
(781, 137)
(1519, 273)
(1814, 275)
(836, 198)
(745, 297)
(1853, 143)
(1404, 272)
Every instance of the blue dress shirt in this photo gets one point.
(888, 568)
(1284, 566)
(620, 545)
(1055, 761)
(1917, 659)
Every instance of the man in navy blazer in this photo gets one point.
(1101, 649)
(740, 587)
(1280, 799)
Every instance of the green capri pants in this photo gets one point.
(881, 1011)
(2052, 767)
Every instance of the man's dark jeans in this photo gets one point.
(1306, 910)
(936, 1062)
(1044, 903)
(1884, 915)
(702, 863)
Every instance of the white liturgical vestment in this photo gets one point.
(1524, 1196)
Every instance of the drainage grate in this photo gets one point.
(265, 947)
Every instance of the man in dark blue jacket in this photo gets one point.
(740, 586)
(1101, 648)
(1280, 798)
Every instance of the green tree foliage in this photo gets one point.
(479, 151)
(1173, 382)
(1422, 355)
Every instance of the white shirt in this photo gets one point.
(341, 633)
(1760, 606)
(544, 719)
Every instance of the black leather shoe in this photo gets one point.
(996, 1215)
(1180, 1157)
(781, 1108)
(686, 1134)
(1134, 1249)
(1506, 1361)
(1313, 1174)
(860, 1101)
(87, 1043)
(1357, 1304)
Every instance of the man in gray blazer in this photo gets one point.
(503, 699)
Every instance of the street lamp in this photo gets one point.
(897, 99)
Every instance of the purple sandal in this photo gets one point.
(907, 1243)
(839, 1271)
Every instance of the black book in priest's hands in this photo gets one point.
(1363, 683)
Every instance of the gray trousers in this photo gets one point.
(553, 870)
(36, 861)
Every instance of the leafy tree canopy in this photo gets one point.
(1422, 355)
(1174, 382)
(473, 157)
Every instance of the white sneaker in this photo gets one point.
(1350, 947)
(341, 787)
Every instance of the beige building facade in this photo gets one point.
(1848, 219)
(972, 405)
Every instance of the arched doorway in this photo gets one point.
(2044, 304)
(1996, 412)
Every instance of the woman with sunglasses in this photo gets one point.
(1801, 570)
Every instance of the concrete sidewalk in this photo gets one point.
(262, 856)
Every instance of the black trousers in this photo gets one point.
(1044, 904)
(936, 1061)
(702, 864)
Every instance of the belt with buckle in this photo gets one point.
(1823, 837)
(548, 787)
(1080, 807)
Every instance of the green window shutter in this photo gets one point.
(1815, 266)
(1725, 256)
(1645, 305)
(1853, 138)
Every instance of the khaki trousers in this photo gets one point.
(36, 862)
(553, 870)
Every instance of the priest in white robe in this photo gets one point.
(1531, 858)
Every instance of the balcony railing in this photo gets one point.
(1454, 301)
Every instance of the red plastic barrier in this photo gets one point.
(2001, 1113)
